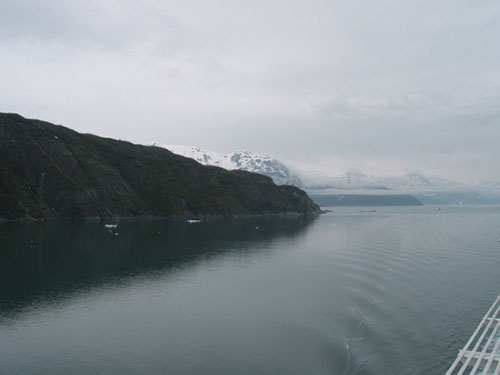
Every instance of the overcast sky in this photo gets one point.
(384, 86)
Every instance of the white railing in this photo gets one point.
(481, 354)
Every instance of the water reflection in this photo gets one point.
(54, 259)
(354, 293)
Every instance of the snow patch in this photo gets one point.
(240, 159)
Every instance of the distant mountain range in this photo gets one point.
(354, 179)
(428, 189)
(282, 174)
(331, 200)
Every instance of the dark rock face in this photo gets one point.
(49, 171)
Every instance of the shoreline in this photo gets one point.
(166, 218)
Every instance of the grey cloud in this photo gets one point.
(389, 84)
(91, 24)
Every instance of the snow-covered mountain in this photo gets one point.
(430, 189)
(240, 159)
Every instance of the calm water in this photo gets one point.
(397, 291)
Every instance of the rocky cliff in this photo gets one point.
(49, 171)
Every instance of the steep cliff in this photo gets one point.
(49, 171)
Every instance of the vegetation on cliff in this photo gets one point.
(49, 171)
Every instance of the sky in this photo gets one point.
(385, 86)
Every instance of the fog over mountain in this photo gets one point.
(430, 189)
(386, 87)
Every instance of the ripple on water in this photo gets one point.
(373, 294)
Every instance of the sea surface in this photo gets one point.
(379, 290)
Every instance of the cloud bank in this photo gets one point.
(386, 86)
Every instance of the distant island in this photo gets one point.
(50, 171)
(365, 200)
